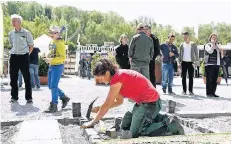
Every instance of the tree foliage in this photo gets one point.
(96, 27)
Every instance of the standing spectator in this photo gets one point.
(156, 45)
(57, 58)
(169, 54)
(20, 79)
(227, 62)
(141, 51)
(213, 57)
(21, 42)
(122, 53)
(82, 64)
(34, 68)
(187, 58)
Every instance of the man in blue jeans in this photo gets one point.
(169, 53)
(34, 68)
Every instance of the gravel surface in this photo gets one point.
(9, 133)
(72, 134)
(222, 124)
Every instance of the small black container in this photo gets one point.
(76, 109)
(171, 106)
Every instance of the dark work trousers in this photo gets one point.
(20, 62)
(198, 72)
(152, 73)
(187, 67)
(211, 78)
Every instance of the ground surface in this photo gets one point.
(84, 91)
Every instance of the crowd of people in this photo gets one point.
(144, 47)
(135, 79)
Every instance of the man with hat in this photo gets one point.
(156, 45)
(141, 51)
(188, 57)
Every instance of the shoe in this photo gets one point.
(125, 134)
(209, 95)
(29, 101)
(191, 93)
(52, 108)
(183, 93)
(214, 95)
(179, 129)
(13, 101)
(171, 93)
(164, 91)
(65, 101)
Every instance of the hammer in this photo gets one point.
(90, 108)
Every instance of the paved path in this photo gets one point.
(39, 131)
(82, 90)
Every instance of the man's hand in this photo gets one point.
(87, 125)
(162, 57)
(171, 54)
(95, 109)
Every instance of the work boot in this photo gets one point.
(65, 101)
(52, 108)
(175, 127)
(125, 134)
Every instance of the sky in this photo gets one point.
(178, 13)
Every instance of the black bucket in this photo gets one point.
(76, 109)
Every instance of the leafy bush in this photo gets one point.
(43, 67)
(96, 57)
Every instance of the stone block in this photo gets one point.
(111, 133)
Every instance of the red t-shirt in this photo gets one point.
(135, 86)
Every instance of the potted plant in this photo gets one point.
(43, 71)
(202, 67)
(158, 70)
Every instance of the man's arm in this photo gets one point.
(151, 49)
(176, 54)
(131, 48)
(10, 40)
(156, 48)
(30, 42)
(180, 54)
(197, 55)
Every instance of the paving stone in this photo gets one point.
(111, 133)
(56, 141)
(39, 130)
(88, 132)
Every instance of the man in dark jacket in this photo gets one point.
(141, 51)
(122, 53)
(156, 44)
(169, 54)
